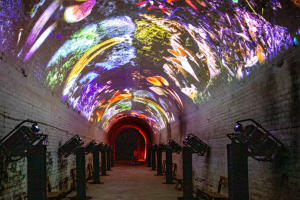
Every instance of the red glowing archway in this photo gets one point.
(131, 122)
(135, 127)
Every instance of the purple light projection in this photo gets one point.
(109, 65)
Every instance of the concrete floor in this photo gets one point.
(130, 182)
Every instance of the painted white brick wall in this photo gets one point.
(269, 95)
(27, 98)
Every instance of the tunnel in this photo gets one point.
(127, 75)
(139, 134)
(128, 141)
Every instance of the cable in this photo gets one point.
(279, 129)
(16, 119)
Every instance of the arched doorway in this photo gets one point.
(126, 142)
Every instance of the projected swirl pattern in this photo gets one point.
(115, 59)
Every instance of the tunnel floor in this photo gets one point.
(130, 182)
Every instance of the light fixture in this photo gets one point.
(90, 147)
(20, 140)
(35, 128)
(69, 147)
(100, 146)
(262, 145)
(238, 127)
(196, 144)
(249, 139)
(154, 147)
(163, 147)
(25, 141)
(175, 146)
(106, 146)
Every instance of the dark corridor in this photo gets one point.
(126, 142)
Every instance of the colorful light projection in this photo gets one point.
(12, 16)
(35, 8)
(207, 37)
(297, 2)
(38, 28)
(106, 64)
(92, 45)
(157, 114)
(133, 113)
(75, 13)
(161, 88)
(101, 103)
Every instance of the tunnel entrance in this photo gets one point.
(126, 142)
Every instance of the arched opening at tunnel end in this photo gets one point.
(130, 144)
(143, 135)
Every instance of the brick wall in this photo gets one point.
(27, 98)
(269, 95)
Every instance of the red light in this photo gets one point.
(137, 128)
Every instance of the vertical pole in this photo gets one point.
(237, 160)
(112, 157)
(36, 173)
(103, 162)
(159, 164)
(169, 166)
(153, 160)
(108, 159)
(149, 157)
(96, 166)
(187, 173)
(80, 173)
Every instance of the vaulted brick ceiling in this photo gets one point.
(112, 60)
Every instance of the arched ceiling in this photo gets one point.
(121, 59)
(131, 122)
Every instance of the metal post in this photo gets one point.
(149, 157)
(153, 160)
(112, 164)
(103, 162)
(169, 166)
(96, 166)
(36, 173)
(159, 164)
(187, 174)
(80, 173)
(237, 160)
(108, 159)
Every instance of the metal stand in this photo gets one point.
(153, 160)
(149, 157)
(237, 160)
(36, 173)
(159, 163)
(112, 164)
(187, 174)
(108, 160)
(80, 169)
(103, 162)
(96, 167)
(169, 179)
